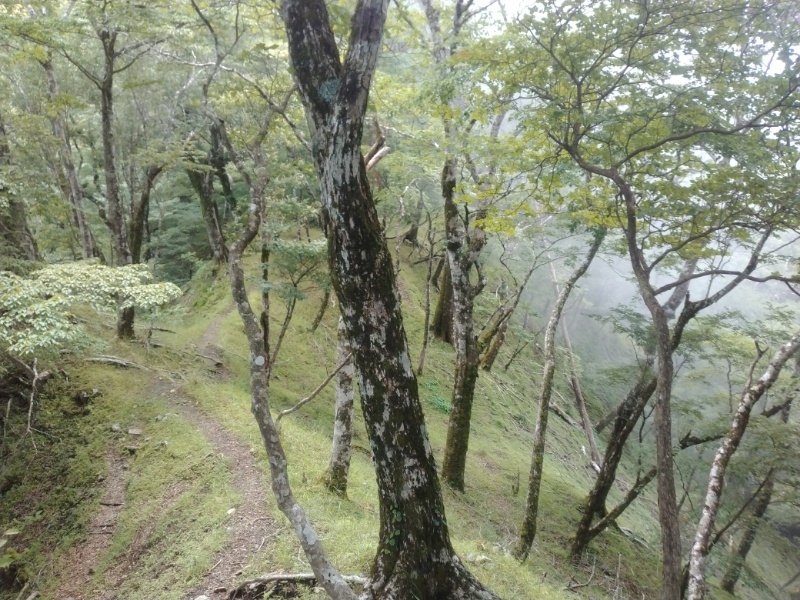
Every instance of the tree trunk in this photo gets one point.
(140, 212)
(442, 326)
(336, 477)
(75, 192)
(113, 198)
(716, 479)
(321, 312)
(627, 415)
(18, 241)
(499, 338)
(202, 181)
(428, 280)
(415, 558)
(580, 400)
(528, 528)
(461, 258)
(734, 570)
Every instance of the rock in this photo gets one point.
(134, 431)
(231, 511)
(163, 443)
(203, 597)
(116, 427)
(478, 558)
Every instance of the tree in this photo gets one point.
(415, 557)
(528, 528)
(716, 479)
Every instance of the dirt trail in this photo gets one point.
(83, 559)
(251, 526)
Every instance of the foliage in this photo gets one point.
(34, 311)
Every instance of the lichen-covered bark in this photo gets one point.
(528, 529)
(415, 558)
(339, 467)
(716, 478)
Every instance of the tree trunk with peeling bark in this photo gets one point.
(528, 528)
(716, 478)
(414, 558)
(339, 467)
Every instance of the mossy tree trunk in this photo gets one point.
(414, 558)
(462, 255)
(442, 326)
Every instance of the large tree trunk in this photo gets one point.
(528, 528)
(716, 478)
(415, 558)
(460, 259)
(339, 467)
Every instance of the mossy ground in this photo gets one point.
(177, 494)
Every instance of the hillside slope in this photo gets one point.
(162, 483)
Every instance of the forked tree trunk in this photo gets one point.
(339, 467)
(414, 558)
(716, 479)
(528, 528)
(202, 181)
(627, 415)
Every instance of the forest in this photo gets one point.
(399, 300)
